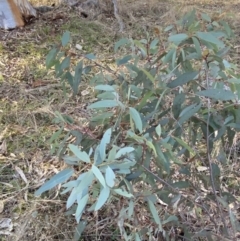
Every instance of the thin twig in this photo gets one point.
(120, 22)
(209, 158)
(176, 191)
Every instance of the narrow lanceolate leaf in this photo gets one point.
(192, 109)
(54, 181)
(80, 208)
(124, 60)
(123, 151)
(104, 142)
(104, 87)
(151, 146)
(82, 155)
(104, 104)
(123, 193)
(51, 57)
(178, 38)
(150, 77)
(197, 46)
(98, 175)
(136, 118)
(110, 177)
(90, 56)
(120, 43)
(217, 94)
(158, 130)
(209, 37)
(184, 144)
(154, 213)
(65, 38)
(79, 230)
(183, 79)
(72, 198)
(103, 197)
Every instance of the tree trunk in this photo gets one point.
(13, 12)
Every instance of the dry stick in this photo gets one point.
(120, 22)
(176, 191)
(209, 157)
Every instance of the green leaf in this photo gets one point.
(174, 58)
(104, 142)
(82, 155)
(120, 43)
(124, 60)
(170, 219)
(152, 147)
(68, 76)
(65, 38)
(51, 57)
(141, 47)
(130, 208)
(107, 96)
(180, 184)
(233, 81)
(227, 28)
(183, 79)
(209, 37)
(123, 193)
(110, 177)
(150, 77)
(206, 17)
(168, 28)
(90, 56)
(104, 104)
(154, 213)
(177, 38)
(234, 221)
(65, 63)
(158, 130)
(123, 151)
(154, 43)
(56, 135)
(86, 181)
(215, 170)
(184, 144)
(103, 197)
(123, 165)
(80, 208)
(177, 103)
(137, 237)
(169, 55)
(102, 117)
(72, 198)
(104, 87)
(162, 162)
(77, 77)
(217, 94)
(197, 46)
(188, 113)
(79, 229)
(136, 118)
(54, 181)
(98, 175)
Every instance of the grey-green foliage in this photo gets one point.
(160, 106)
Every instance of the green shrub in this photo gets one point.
(166, 116)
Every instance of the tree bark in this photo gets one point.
(13, 13)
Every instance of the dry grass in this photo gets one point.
(30, 94)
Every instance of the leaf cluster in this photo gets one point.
(164, 111)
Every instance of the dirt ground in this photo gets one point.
(30, 94)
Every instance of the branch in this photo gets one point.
(120, 22)
(209, 157)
